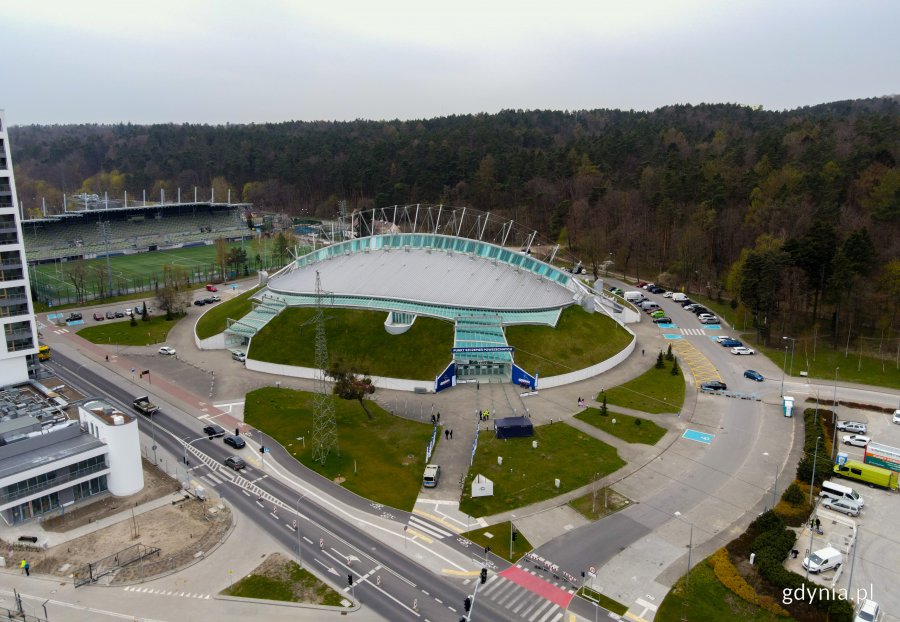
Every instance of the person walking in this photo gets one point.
(27, 569)
(446, 434)
(22, 564)
(439, 417)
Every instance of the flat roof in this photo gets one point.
(82, 443)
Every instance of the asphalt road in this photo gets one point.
(385, 580)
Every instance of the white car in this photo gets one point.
(710, 319)
(743, 350)
(852, 426)
(857, 440)
(868, 612)
(667, 295)
(722, 338)
(896, 416)
(167, 350)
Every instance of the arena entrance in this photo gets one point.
(480, 350)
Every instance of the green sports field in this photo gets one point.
(135, 273)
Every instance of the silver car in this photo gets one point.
(845, 506)
(854, 427)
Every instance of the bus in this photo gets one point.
(43, 352)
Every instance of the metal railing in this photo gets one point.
(7, 496)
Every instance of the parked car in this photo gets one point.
(214, 431)
(656, 290)
(199, 302)
(845, 506)
(690, 306)
(110, 315)
(662, 319)
(852, 426)
(700, 309)
(73, 317)
(731, 343)
(741, 350)
(658, 313)
(709, 319)
(214, 298)
(128, 311)
(667, 295)
(237, 355)
(120, 314)
(714, 385)
(896, 418)
(828, 558)
(138, 311)
(857, 440)
(98, 317)
(167, 350)
(753, 375)
(869, 611)
(722, 338)
(235, 441)
(212, 288)
(209, 300)
(235, 463)
(686, 302)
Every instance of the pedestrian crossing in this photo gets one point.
(427, 528)
(161, 592)
(693, 331)
(528, 596)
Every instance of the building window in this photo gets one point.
(18, 336)
(11, 266)
(90, 488)
(9, 234)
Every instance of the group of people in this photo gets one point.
(26, 567)
(581, 403)
(484, 415)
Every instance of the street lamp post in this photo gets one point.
(793, 344)
(812, 478)
(783, 368)
(184, 447)
(834, 417)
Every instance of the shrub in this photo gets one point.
(729, 576)
(638, 421)
(793, 494)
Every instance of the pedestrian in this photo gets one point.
(27, 569)
(477, 385)
(22, 565)
(818, 525)
(107, 358)
(439, 417)
(446, 434)
(432, 420)
(237, 431)
(642, 351)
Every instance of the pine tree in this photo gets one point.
(669, 355)
(674, 368)
(660, 363)
(603, 410)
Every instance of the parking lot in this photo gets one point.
(875, 567)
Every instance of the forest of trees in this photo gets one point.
(796, 214)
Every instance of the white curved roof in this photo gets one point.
(427, 276)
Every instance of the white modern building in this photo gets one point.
(20, 341)
(54, 456)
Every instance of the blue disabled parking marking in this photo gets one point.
(667, 325)
(713, 338)
(713, 327)
(54, 316)
(671, 336)
(75, 323)
(700, 437)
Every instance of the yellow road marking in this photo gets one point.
(438, 520)
(460, 573)
(416, 534)
(701, 367)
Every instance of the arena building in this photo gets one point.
(453, 264)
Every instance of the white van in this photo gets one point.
(834, 490)
(679, 297)
(824, 559)
(432, 476)
(634, 296)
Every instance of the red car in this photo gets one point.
(99, 317)
(212, 288)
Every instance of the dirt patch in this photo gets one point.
(182, 533)
(156, 484)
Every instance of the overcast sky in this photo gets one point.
(221, 61)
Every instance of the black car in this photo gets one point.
(214, 431)
(662, 320)
(119, 314)
(73, 317)
(110, 315)
(235, 441)
(235, 463)
(199, 303)
(209, 301)
(699, 310)
(657, 290)
(714, 385)
(686, 302)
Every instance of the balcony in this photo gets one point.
(6, 496)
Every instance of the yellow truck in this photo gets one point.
(43, 353)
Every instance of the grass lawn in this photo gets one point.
(607, 502)
(214, 321)
(278, 578)
(580, 339)
(625, 427)
(359, 340)
(121, 332)
(382, 460)
(604, 601)
(498, 538)
(710, 601)
(526, 475)
(656, 391)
